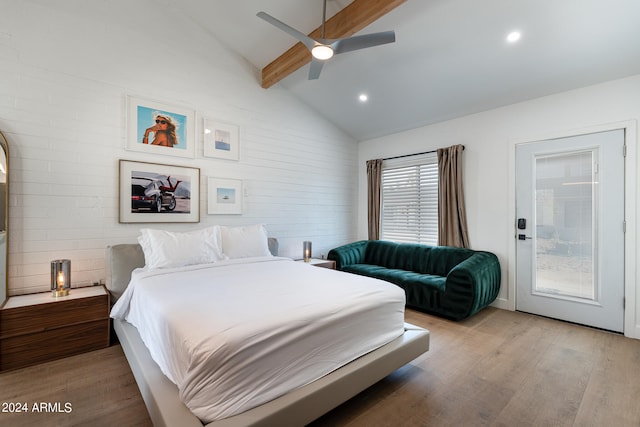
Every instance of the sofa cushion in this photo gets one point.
(401, 256)
(436, 260)
(412, 257)
(370, 270)
(381, 253)
(442, 259)
(422, 279)
(399, 277)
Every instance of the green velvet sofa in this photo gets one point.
(454, 283)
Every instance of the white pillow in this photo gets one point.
(244, 242)
(166, 249)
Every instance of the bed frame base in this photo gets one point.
(299, 407)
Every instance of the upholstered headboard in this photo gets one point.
(122, 259)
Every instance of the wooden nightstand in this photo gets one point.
(326, 263)
(37, 328)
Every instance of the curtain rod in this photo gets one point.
(414, 154)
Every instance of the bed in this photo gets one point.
(298, 404)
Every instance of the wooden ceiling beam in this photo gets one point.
(353, 18)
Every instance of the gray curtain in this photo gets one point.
(374, 179)
(452, 216)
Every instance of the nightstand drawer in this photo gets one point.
(30, 349)
(42, 317)
(36, 328)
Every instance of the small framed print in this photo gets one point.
(221, 140)
(154, 127)
(224, 196)
(151, 192)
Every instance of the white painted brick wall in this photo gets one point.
(66, 68)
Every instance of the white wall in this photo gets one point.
(490, 138)
(66, 68)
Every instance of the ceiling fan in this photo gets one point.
(323, 49)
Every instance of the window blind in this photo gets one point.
(409, 211)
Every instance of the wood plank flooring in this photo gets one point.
(498, 368)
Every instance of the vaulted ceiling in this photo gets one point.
(450, 58)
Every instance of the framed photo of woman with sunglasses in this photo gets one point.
(154, 127)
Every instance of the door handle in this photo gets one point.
(523, 237)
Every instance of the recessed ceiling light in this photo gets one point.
(363, 97)
(513, 36)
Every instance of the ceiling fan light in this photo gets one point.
(322, 52)
(513, 36)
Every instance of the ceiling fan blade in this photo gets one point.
(361, 42)
(315, 69)
(305, 39)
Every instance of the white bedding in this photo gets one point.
(238, 333)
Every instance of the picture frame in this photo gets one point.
(154, 192)
(224, 196)
(169, 129)
(221, 140)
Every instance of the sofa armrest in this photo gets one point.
(351, 253)
(473, 284)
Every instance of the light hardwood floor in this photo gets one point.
(498, 368)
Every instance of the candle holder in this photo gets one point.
(306, 251)
(60, 277)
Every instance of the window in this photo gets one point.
(409, 211)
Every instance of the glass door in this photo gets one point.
(570, 232)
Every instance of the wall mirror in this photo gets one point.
(4, 217)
